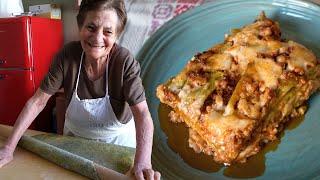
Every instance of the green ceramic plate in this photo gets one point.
(168, 50)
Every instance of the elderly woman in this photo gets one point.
(105, 96)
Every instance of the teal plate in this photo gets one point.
(169, 49)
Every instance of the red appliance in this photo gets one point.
(28, 44)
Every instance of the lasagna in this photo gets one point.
(237, 96)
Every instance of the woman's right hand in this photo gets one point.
(29, 112)
(6, 155)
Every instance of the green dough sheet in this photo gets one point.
(78, 154)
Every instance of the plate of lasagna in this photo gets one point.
(233, 90)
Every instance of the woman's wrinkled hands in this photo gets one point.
(6, 155)
(142, 172)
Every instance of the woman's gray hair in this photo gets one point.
(96, 5)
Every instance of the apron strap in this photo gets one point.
(107, 68)
(107, 65)
(79, 72)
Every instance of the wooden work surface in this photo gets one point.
(26, 165)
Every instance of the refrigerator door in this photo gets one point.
(16, 87)
(45, 43)
(15, 50)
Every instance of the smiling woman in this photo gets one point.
(99, 29)
(97, 35)
(106, 100)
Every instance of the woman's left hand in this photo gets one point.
(142, 168)
(146, 173)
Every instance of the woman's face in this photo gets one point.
(98, 33)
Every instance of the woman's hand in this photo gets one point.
(145, 172)
(144, 130)
(29, 112)
(6, 155)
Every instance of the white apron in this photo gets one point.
(95, 119)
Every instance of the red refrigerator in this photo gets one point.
(27, 47)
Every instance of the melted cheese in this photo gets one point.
(268, 72)
(300, 57)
